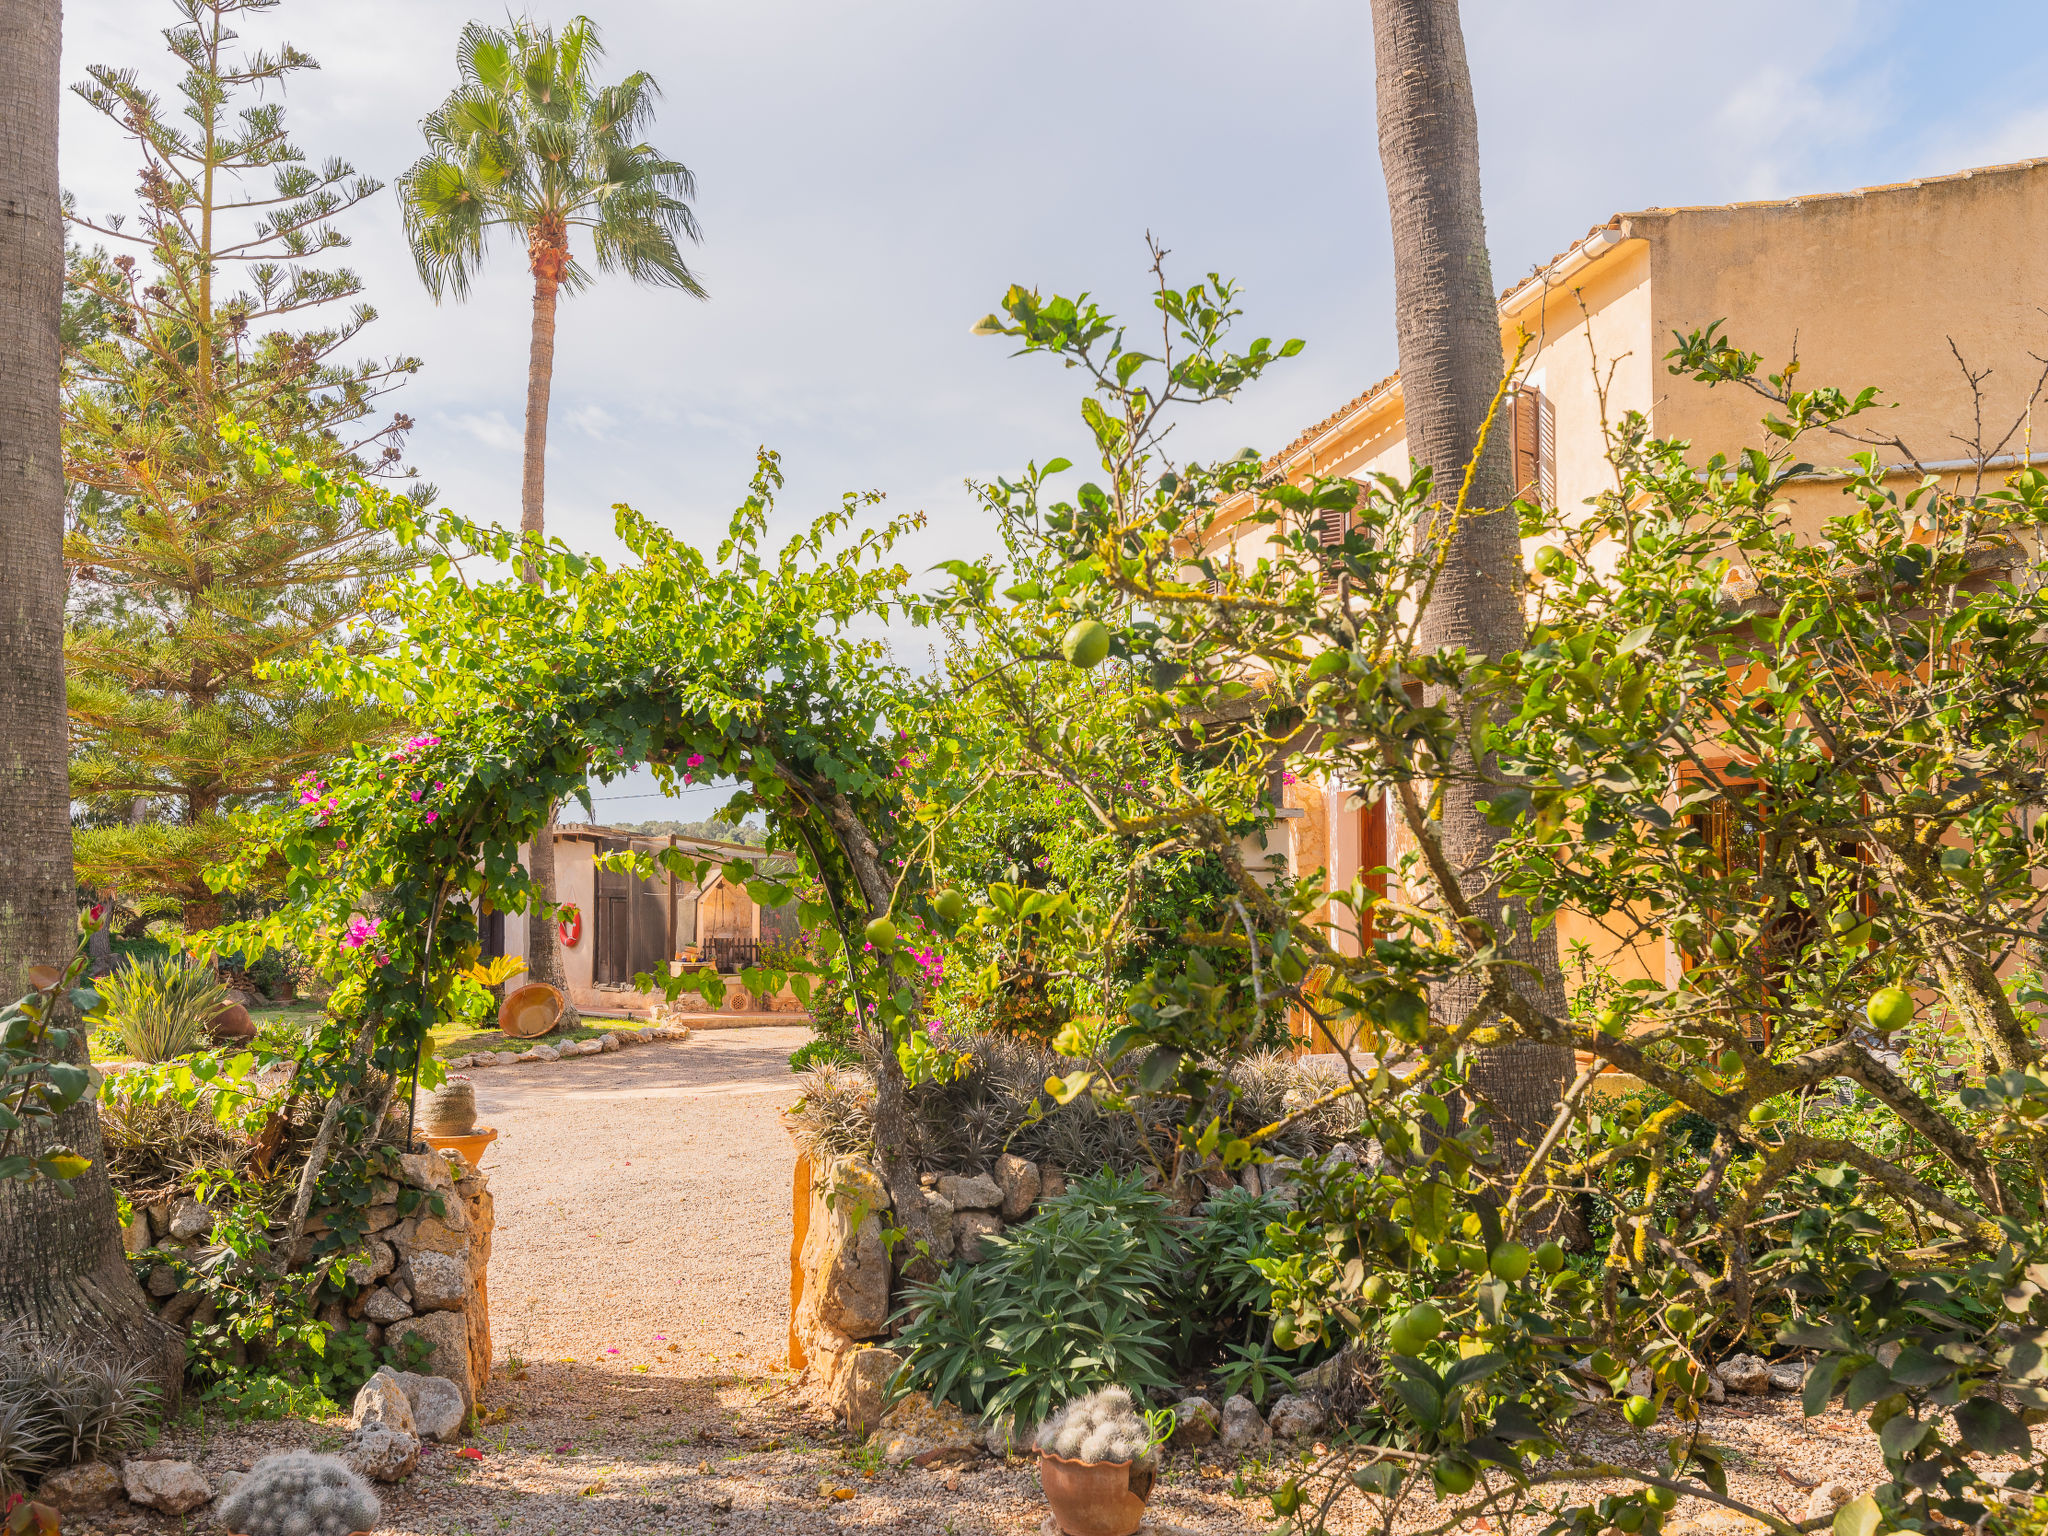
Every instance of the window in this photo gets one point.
(1535, 445)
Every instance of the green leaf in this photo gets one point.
(1858, 1517)
(1989, 1427)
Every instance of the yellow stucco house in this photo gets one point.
(1896, 286)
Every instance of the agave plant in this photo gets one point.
(162, 1008)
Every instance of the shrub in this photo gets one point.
(1072, 1300)
(161, 1008)
(822, 1053)
(59, 1407)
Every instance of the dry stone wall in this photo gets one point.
(846, 1285)
(420, 1271)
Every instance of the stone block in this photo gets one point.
(845, 1265)
(916, 1425)
(162, 1282)
(448, 1333)
(380, 1306)
(1745, 1374)
(190, 1220)
(387, 1455)
(135, 1236)
(437, 1409)
(371, 1264)
(608, 1043)
(425, 1170)
(1018, 1179)
(970, 1192)
(969, 1228)
(862, 1385)
(438, 1282)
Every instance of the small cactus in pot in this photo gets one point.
(1096, 1459)
(297, 1493)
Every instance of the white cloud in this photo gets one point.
(592, 421)
(489, 428)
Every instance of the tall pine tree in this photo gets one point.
(188, 572)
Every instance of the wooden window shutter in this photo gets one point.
(1534, 439)
(1331, 525)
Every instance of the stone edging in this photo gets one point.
(569, 1050)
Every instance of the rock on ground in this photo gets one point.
(169, 1487)
(1196, 1423)
(448, 1332)
(1244, 1427)
(1787, 1376)
(382, 1403)
(1745, 1374)
(80, 1490)
(437, 1409)
(1294, 1417)
(388, 1455)
(917, 1425)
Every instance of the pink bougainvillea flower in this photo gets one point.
(694, 760)
(415, 797)
(360, 931)
(383, 959)
(431, 815)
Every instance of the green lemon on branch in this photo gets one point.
(1454, 1478)
(1415, 1328)
(881, 933)
(950, 906)
(1510, 1261)
(1889, 1009)
(1086, 643)
(1550, 1256)
(1640, 1412)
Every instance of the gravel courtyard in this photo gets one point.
(639, 1304)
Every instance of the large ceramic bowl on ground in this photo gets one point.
(530, 1012)
(1095, 1498)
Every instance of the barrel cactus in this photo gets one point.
(1103, 1426)
(298, 1493)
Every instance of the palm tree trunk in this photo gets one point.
(62, 1273)
(1448, 328)
(543, 939)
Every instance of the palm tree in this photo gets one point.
(62, 1272)
(1447, 327)
(527, 144)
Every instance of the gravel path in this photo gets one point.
(639, 1305)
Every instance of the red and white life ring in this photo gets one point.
(571, 927)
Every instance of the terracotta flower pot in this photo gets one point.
(1095, 1498)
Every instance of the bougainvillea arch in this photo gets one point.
(756, 666)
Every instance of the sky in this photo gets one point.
(871, 178)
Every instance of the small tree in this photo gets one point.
(530, 144)
(187, 577)
(1814, 763)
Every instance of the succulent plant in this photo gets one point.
(59, 1406)
(297, 1493)
(1103, 1426)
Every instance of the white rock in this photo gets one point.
(437, 1409)
(190, 1220)
(608, 1042)
(544, 1053)
(384, 1307)
(1745, 1374)
(1787, 1376)
(385, 1454)
(1244, 1428)
(372, 1264)
(382, 1403)
(169, 1487)
(531, 1053)
(483, 1059)
(438, 1282)
(1294, 1417)
(970, 1192)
